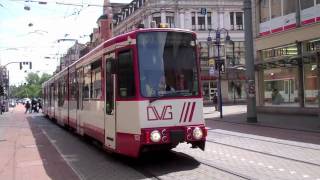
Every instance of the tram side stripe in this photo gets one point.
(184, 104)
(192, 111)
(185, 117)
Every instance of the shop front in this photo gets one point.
(288, 76)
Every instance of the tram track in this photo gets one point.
(263, 140)
(212, 165)
(264, 153)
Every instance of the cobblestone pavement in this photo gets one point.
(81, 156)
(34, 147)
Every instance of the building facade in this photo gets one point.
(203, 17)
(287, 53)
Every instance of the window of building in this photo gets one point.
(126, 75)
(201, 22)
(311, 82)
(264, 10)
(281, 86)
(235, 53)
(193, 20)
(239, 20)
(170, 19)
(232, 20)
(275, 8)
(288, 7)
(209, 19)
(318, 1)
(157, 18)
(306, 4)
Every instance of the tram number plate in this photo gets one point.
(177, 136)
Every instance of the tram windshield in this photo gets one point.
(167, 64)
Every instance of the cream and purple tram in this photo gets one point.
(135, 92)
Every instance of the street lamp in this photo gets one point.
(218, 62)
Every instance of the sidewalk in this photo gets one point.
(26, 153)
(237, 114)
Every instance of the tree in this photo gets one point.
(32, 88)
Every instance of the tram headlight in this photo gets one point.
(197, 133)
(155, 136)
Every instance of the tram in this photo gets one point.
(136, 92)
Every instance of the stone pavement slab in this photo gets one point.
(25, 154)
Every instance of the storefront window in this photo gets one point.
(318, 2)
(236, 90)
(264, 11)
(281, 86)
(275, 8)
(306, 4)
(288, 7)
(311, 86)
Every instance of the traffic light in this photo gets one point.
(25, 63)
(1, 90)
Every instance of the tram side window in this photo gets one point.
(86, 82)
(61, 93)
(126, 75)
(73, 86)
(96, 79)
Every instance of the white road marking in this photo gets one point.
(305, 176)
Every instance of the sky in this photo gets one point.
(32, 35)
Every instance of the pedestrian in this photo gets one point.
(215, 101)
(27, 106)
(39, 105)
(33, 105)
(1, 107)
(276, 97)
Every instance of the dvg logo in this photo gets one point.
(164, 113)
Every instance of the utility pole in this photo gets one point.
(251, 99)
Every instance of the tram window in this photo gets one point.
(126, 75)
(61, 89)
(86, 82)
(96, 79)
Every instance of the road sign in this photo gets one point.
(211, 62)
(203, 11)
(212, 72)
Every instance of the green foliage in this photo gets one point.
(32, 87)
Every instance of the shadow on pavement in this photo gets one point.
(90, 161)
(55, 166)
(296, 128)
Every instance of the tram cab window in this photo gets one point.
(126, 75)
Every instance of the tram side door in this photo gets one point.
(110, 113)
(79, 98)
